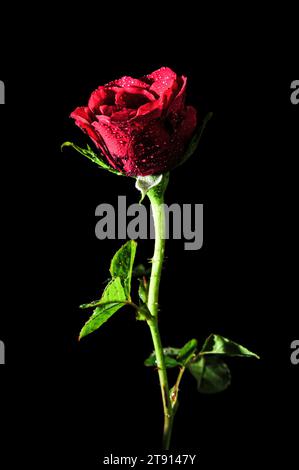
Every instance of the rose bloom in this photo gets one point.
(142, 126)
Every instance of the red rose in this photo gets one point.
(142, 126)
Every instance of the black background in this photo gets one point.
(69, 402)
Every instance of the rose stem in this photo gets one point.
(156, 197)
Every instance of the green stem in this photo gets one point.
(174, 393)
(178, 381)
(156, 196)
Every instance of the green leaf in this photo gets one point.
(112, 300)
(211, 373)
(143, 291)
(170, 362)
(195, 139)
(187, 352)
(174, 356)
(216, 344)
(140, 270)
(143, 313)
(170, 351)
(122, 265)
(145, 183)
(91, 155)
(116, 293)
(169, 355)
(92, 304)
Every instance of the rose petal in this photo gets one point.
(84, 119)
(107, 110)
(153, 150)
(132, 97)
(82, 114)
(126, 81)
(164, 83)
(101, 96)
(188, 125)
(123, 115)
(115, 139)
(164, 74)
(151, 110)
(179, 101)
